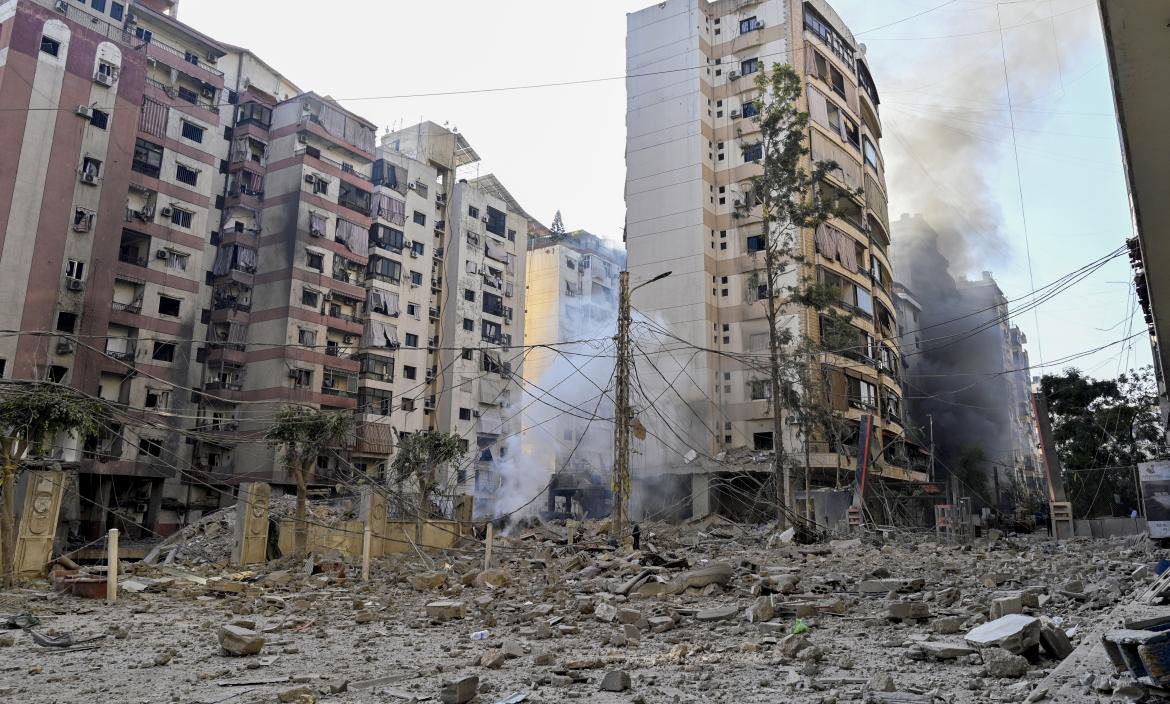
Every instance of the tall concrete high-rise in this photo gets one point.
(692, 148)
(198, 242)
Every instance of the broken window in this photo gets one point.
(168, 306)
(495, 221)
(147, 158)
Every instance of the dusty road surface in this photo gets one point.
(708, 613)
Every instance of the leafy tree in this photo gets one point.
(792, 202)
(305, 434)
(421, 454)
(1102, 429)
(558, 225)
(31, 416)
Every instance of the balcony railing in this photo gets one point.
(132, 259)
(134, 306)
(185, 56)
(172, 92)
(124, 351)
(93, 23)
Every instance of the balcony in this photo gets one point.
(183, 93)
(186, 56)
(434, 312)
(121, 348)
(131, 307)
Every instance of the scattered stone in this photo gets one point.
(583, 663)
(947, 625)
(512, 648)
(1001, 663)
(298, 695)
(660, 624)
(907, 610)
(881, 682)
(615, 681)
(493, 578)
(459, 691)
(761, 610)
(885, 586)
(790, 645)
(721, 613)
(239, 641)
(429, 581)
(629, 616)
(605, 612)
(1014, 633)
(445, 610)
(494, 660)
(1054, 640)
(941, 650)
(1006, 605)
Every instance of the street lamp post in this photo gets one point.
(622, 413)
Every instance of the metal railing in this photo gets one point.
(186, 56)
(93, 22)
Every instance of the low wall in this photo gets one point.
(1108, 527)
(394, 538)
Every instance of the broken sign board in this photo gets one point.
(1154, 478)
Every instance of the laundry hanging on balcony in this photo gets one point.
(390, 209)
(379, 334)
(355, 238)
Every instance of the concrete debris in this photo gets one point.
(239, 641)
(701, 612)
(459, 691)
(615, 681)
(1001, 663)
(1014, 633)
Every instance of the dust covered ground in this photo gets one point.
(708, 612)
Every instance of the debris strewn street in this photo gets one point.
(703, 612)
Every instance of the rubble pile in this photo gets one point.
(710, 611)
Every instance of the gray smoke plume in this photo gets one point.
(948, 138)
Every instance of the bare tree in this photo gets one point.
(421, 454)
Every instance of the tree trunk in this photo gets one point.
(8, 524)
(301, 523)
(771, 312)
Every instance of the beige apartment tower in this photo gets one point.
(691, 153)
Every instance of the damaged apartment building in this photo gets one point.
(690, 211)
(234, 244)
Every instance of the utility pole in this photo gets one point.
(622, 412)
(621, 418)
(930, 470)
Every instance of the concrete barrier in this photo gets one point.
(1109, 527)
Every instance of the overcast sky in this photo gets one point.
(938, 66)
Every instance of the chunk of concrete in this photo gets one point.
(459, 691)
(493, 578)
(719, 613)
(1006, 605)
(445, 610)
(1003, 664)
(615, 681)
(1014, 633)
(885, 586)
(1054, 640)
(429, 581)
(717, 573)
(605, 612)
(239, 641)
(761, 610)
(629, 616)
(907, 610)
(941, 650)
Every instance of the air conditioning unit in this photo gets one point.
(485, 219)
(85, 111)
(166, 211)
(732, 75)
(75, 285)
(161, 254)
(759, 24)
(734, 114)
(310, 178)
(105, 79)
(131, 18)
(62, 6)
(414, 254)
(412, 185)
(350, 339)
(475, 414)
(303, 138)
(88, 178)
(65, 347)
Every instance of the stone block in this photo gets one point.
(941, 650)
(761, 610)
(445, 610)
(629, 616)
(239, 641)
(720, 613)
(1001, 663)
(615, 681)
(1015, 633)
(885, 586)
(605, 612)
(459, 691)
(1054, 640)
(1006, 605)
(907, 610)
